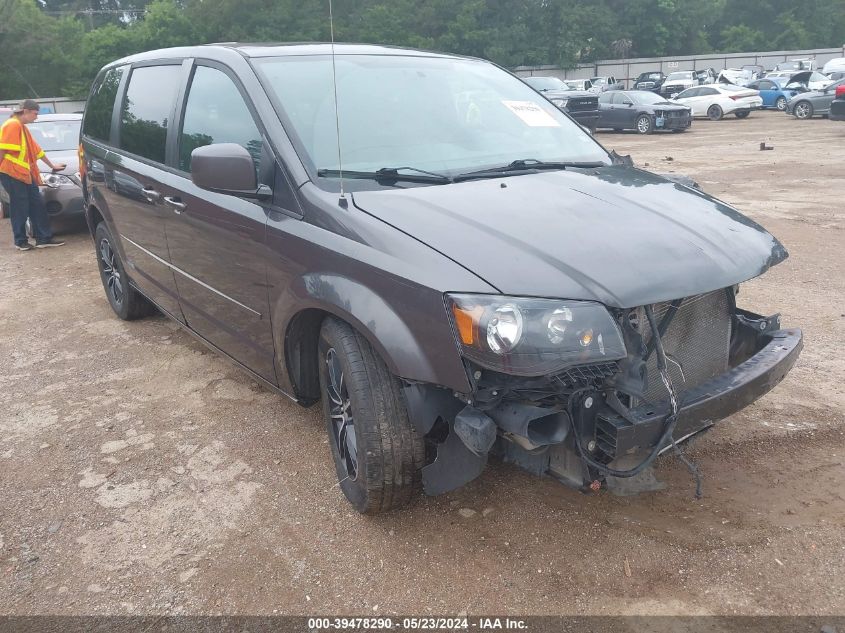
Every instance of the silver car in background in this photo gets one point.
(58, 136)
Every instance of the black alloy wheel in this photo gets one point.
(377, 453)
(340, 414)
(127, 303)
(111, 274)
(714, 112)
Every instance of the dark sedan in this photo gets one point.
(643, 111)
(581, 105)
(837, 109)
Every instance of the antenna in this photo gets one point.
(342, 202)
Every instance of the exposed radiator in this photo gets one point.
(698, 339)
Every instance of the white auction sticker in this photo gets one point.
(531, 113)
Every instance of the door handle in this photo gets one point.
(176, 203)
(151, 194)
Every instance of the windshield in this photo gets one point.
(546, 83)
(649, 76)
(680, 75)
(56, 135)
(438, 114)
(646, 98)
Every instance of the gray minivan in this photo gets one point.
(433, 251)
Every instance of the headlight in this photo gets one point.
(532, 337)
(55, 180)
(560, 103)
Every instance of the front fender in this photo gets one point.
(410, 331)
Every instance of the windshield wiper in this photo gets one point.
(386, 174)
(525, 165)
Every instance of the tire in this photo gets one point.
(365, 398)
(780, 104)
(127, 303)
(803, 110)
(714, 112)
(644, 124)
(742, 114)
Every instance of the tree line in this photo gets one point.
(55, 47)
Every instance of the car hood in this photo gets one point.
(67, 156)
(568, 94)
(617, 235)
(667, 105)
(810, 94)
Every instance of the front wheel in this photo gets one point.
(714, 112)
(803, 110)
(645, 125)
(742, 114)
(377, 453)
(127, 303)
(780, 104)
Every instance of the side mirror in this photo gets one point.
(226, 168)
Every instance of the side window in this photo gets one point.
(100, 107)
(606, 97)
(691, 92)
(707, 92)
(215, 112)
(146, 110)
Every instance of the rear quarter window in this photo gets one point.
(100, 107)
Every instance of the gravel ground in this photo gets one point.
(142, 474)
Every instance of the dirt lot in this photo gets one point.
(140, 473)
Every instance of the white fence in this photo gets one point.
(628, 69)
(58, 105)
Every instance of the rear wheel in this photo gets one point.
(377, 453)
(644, 124)
(742, 114)
(714, 112)
(127, 303)
(803, 110)
(780, 104)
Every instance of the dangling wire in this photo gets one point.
(673, 397)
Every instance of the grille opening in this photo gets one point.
(697, 343)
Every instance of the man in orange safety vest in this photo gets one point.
(20, 177)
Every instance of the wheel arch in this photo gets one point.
(316, 297)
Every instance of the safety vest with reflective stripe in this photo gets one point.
(22, 152)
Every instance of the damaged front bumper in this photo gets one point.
(550, 436)
(642, 426)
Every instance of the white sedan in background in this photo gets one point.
(715, 101)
